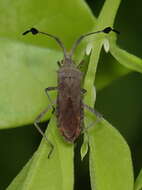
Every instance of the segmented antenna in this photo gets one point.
(106, 30)
(35, 31)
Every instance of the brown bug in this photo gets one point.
(69, 105)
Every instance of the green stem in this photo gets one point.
(108, 13)
(91, 73)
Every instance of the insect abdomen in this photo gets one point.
(69, 119)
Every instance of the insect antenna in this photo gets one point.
(34, 31)
(106, 30)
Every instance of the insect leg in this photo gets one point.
(96, 113)
(36, 124)
(46, 91)
(80, 65)
(59, 64)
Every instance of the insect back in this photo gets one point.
(69, 101)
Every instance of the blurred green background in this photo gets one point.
(120, 103)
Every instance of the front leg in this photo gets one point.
(60, 63)
(46, 91)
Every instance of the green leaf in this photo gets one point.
(26, 67)
(110, 159)
(126, 59)
(17, 182)
(46, 173)
(138, 183)
(23, 80)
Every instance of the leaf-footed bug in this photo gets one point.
(69, 105)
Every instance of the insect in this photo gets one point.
(69, 104)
